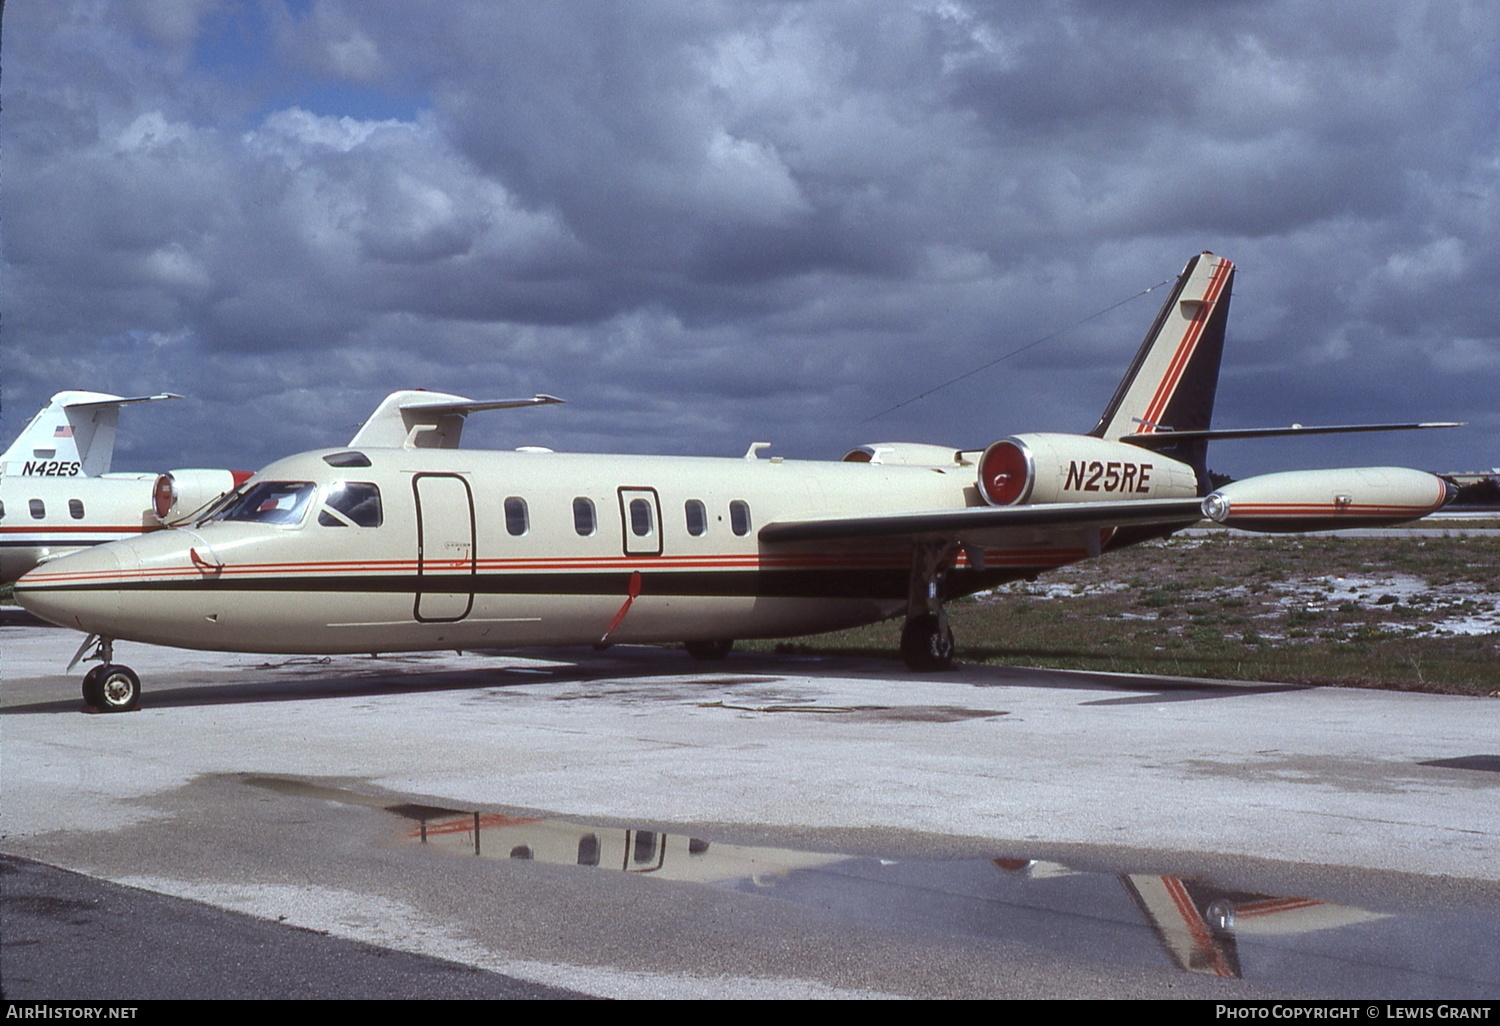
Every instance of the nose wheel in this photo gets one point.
(108, 687)
(112, 688)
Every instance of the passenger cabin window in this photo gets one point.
(516, 520)
(75, 509)
(583, 516)
(640, 517)
(270, 502)
(351, 504)
(739, 517)
(697, 518)
(38, 509)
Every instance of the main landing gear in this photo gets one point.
(108, 687)
(927, 640)
(709, 650)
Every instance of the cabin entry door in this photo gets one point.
(640, 516)
(445, 548)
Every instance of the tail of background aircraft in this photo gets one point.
(1172, 382)
(73, 436)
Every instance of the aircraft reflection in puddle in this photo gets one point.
(669, 856)
(1201, 927)
(1198, 923)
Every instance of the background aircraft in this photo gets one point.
(57, 493)
(404, 542)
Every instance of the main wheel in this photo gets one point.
(710, 650)
(924, 646)
(119, 689)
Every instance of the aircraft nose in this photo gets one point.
(81, 590)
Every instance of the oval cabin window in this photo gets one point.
(516, 520)
(583, 516)
(739, 517)
(640, 517)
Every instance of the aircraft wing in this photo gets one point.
(951, 522)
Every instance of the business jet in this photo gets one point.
(402, 541)
(57, 493)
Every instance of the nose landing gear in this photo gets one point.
(108, 687)
(111, 688)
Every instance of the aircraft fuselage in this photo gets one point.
(496, 549)
(44, 516)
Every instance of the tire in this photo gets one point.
(119, 689)
(924, 647)
(93, 692)
(709, 650)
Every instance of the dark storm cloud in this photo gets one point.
(707, 223)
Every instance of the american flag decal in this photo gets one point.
(63, 431)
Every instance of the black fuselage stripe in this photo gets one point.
(38, 543)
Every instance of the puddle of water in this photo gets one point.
(1196, 925)
(1133, 916)
(1489, 763)
(870, 713)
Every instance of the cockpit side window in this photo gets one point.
(351, 503)
(270, 502)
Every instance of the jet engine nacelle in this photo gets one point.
(1326, 500)
(180, 492)
(1045, 467)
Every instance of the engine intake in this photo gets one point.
(179, 493)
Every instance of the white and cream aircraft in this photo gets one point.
(401, 541)
(58, 495)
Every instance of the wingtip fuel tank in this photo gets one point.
(1328, 500)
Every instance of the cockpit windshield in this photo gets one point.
(270, 502)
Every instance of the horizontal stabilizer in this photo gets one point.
(951, 523)
(468, 406)
(1164, 437)
(416, 419)
(113, 400)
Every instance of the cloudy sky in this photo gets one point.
(710, 223)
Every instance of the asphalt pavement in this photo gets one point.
(632, 823)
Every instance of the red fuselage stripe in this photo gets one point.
(1028, 558)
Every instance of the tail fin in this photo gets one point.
(1175, 374)
(72, 436)
(417, 419)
